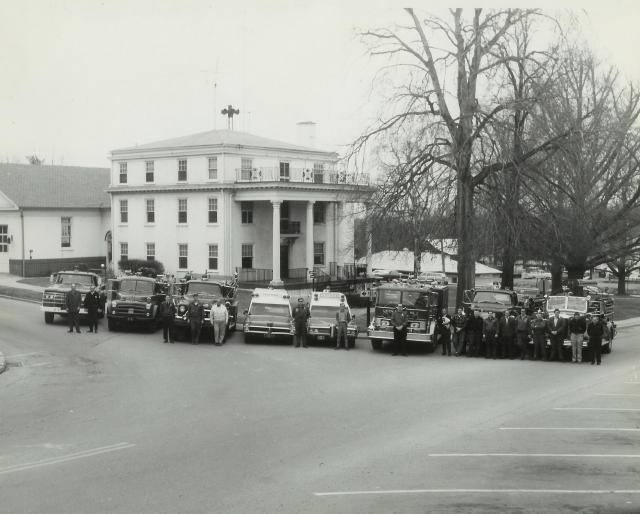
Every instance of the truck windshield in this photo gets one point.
(261, 309)
(70, 278)
(206, 288)
(137, 286)
(567, 303)
(492, 297)
(407, 297)
(323, 311)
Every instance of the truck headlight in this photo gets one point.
(114, 304)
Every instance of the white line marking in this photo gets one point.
(65, 458)
(596, 408)
(595, 429)
(618, 394)
(482, 491)
(586, 455)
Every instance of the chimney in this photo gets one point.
(306, 133)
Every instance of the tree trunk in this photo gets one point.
(417, 255)
(556, 275)
(575, 271)
(508, 262)
(464, 226)
(622, 277)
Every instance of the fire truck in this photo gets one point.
(54, 295)
(422, 305)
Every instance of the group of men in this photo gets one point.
(301, 314)
(74, 302)
(195, 314)
(508, 336)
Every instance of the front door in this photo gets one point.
(4, 249)
(284, 261)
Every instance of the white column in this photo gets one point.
(339, 242)
(369, 239)
(309, 234)
(276, 281)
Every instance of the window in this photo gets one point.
(284, 172)
(124, 211)
(213, 257)
(65, 235)
(182, 170)
(318, 253)
(123, 172)
(247, 256)
(213, 168)
(182, 210)
(149, 165)
(151, 251)
(319, 209)
(183, 255)
(245, 169)
(247, 212)
(124, 251)
(213, 210)
(318, 172)
(151, 211)
(4, 238)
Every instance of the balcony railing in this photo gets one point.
(300, 175)
(289, 227)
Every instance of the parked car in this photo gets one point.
(269, 316)
(321, 326)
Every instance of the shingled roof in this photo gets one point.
(31, 186)
(222, 138)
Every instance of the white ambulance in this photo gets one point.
(321, 326)
(269, 316)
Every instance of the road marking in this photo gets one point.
(66, 458)
(481, 491)
(586, 455)
(595, 429)
(596, 408)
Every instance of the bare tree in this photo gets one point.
(450, 66)
(35, 160)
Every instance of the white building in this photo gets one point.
(223, 201)
(52, 218)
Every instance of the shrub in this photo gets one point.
(145, 267)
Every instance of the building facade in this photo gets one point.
(52, 218)
(226, 201)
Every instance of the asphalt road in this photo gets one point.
(122, 423)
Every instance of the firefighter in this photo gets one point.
(539, 336)
(490, 333)
(459, 324)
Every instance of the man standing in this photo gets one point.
(443, 331)
(196, 317)
(490, 332)
(300, 317)
(523, 327)
(507, 334)
(399, 322)
(459, 323)
(596, 330)
(219, 319)
(539, 336)
(167, 317)
(73, 301)
(577, 328)
(557, 328)
(342, 320)
(91, 303)
(475, 330)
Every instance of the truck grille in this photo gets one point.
(131, 309)
(54, 300)
(263, 329)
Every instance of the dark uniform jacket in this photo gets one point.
(559, 327)
(196, 312)
(399, 319)
(91, 302)
(596, 330)
(300, 315)
(476, 325)
(507, 326)
(577, 326)
(167, 310)
(459, 322)
(539, 326)
(490, 327)
(73, 301)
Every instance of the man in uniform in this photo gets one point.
(475, 330)
(557, 328)
(167, 316)
(539, 336)
(73, 301)
(523, 327)
(490, 332)
(443, 331)
(506, 335)
(300, 317)
(342, 320)
(459, 323)
(91, 303)
(596, 329)
(399, 321)
(196, 317)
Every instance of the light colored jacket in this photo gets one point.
(219, 313)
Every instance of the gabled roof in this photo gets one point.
(32, 186)
(220, 138)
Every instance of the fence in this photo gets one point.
(44, 267)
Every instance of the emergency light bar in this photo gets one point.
(270, 293)
(329, 294)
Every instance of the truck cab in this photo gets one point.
(134, 300)
(269, 316)
(489, 300)
(54, 295)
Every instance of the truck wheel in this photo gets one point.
(48, 317)
(351, 342)
(376, 344)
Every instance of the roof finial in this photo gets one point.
(230, 111)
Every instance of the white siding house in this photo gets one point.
(223, 201)
(52, 217)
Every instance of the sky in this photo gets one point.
(83, 77)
